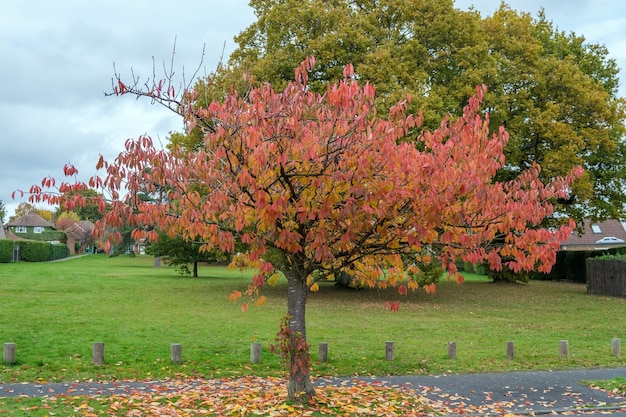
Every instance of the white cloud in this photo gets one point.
(57, 61)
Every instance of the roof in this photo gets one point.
(31, 219)
(2, 234)
(593, 232)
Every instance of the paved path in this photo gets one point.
(493, 394)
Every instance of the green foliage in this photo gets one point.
(613, 256)
(88, 211)
(507, 275)
(180, 253)
(48, 235)
(34, 251)
(6, 250)
(3, 212)
(555, 94)
(58, 251)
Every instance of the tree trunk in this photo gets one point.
(195, 269)
(299, 388)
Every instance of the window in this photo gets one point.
(595, 228)
(37, 229)
(20, 229)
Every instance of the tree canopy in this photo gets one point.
(319, 184)
(555, 94)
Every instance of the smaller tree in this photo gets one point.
(23, 209)
(66, 219)
(3, 212)
(181, 253)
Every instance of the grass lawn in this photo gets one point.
(55, 311)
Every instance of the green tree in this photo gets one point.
(3, 212)
(555, 93)
(87, 211)
(182, 253)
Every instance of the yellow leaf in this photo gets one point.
(273, 279)
(260, 301)
(315, 287)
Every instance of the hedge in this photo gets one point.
(6, 250)
(32, 251)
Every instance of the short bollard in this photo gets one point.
(564, 349)
(97, 353)
(177, 353)
(9, 353)
(322, 352)
(452, 350)
(255, 353)
(390, 351)
(510, 350)
(617, 347)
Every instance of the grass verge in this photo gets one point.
(55, 311)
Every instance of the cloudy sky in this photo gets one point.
(56, 63)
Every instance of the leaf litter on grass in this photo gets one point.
(267, 396)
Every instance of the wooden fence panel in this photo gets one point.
(606, 277)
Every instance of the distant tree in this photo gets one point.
(47, 215)
(3, 212)
(66, 219)
(556, 94)
(23, 209)
(182, 253)
(87, 211)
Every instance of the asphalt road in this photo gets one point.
(491, 394)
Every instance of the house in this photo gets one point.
(3, 235)
(33, 226)
(597, 236)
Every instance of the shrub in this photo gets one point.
(33, 251)
(6, 250)
(58, 251)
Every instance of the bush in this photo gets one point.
(6, 250)
(58, 251)
(33, 251)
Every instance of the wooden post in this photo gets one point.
(9, 353)
(510, 350)
(452, 350)
(617, 347)
(255, 353)
(390, 351)
(97, 353)
(564, 349)
(177, 353)
(322, 352)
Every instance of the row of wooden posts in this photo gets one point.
(97, 357)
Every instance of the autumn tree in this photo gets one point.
(23, 209)
(556, 94)
(66, 219)
(318, 184)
